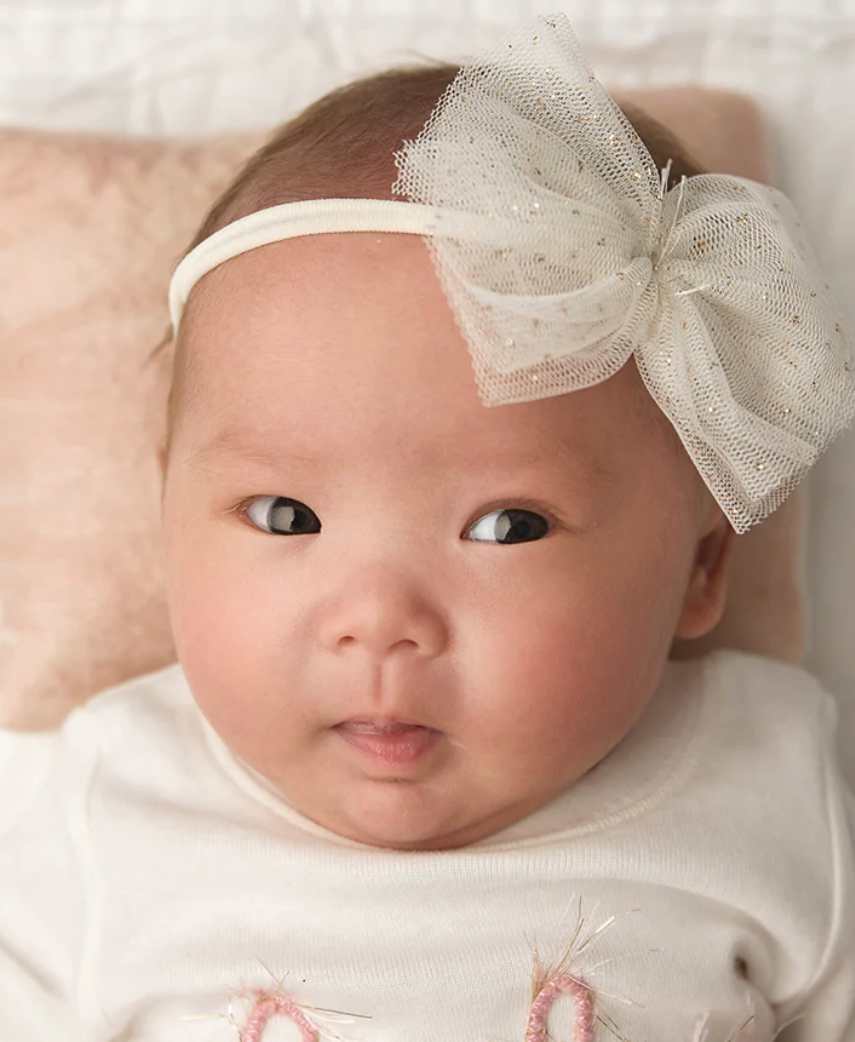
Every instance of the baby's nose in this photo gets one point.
(383, 613)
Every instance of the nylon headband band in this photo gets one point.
(319, 217)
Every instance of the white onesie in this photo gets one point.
(699, 880)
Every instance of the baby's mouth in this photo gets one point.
(396, 745)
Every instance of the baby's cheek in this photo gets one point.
(578, 654)
(539, 649)
(222, 624)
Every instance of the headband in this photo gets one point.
(563, 252)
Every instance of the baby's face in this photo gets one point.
(350, 533)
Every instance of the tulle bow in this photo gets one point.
(585, 256)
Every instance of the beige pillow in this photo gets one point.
(90, 229)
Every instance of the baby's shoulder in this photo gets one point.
(151, 716)
(749, 709)
(137, 734)
(762, 725)
(156, 700)
(765, 690)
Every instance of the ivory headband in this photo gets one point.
(563, 252)
(315, 217)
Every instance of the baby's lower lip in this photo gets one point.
(402, 748)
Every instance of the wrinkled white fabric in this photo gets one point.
(156, 885)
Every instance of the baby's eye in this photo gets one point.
(279, 515)
(508, 526)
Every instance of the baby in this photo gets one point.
(425, 772)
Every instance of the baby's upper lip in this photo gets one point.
(378, 723)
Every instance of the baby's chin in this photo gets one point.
(412, 815)
(396, 815)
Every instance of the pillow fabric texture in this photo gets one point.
(90, 230)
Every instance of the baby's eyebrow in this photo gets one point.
(234, 444)
(238, 445)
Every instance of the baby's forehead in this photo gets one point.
(347, 341)
(309, 282)
(345, 306)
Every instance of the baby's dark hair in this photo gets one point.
(343, 145)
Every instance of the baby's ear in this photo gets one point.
(706, 591)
